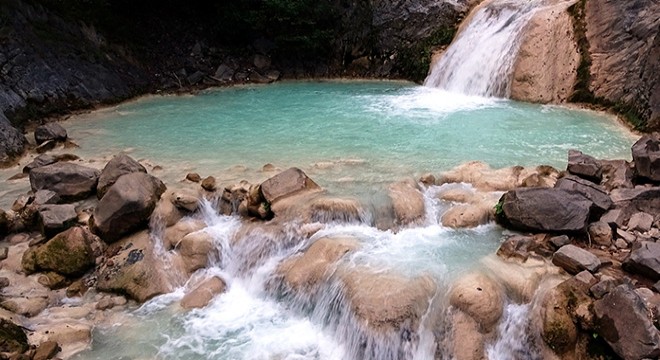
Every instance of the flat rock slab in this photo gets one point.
(574, 259)
(645, 260)
(287, 183)
(583, 165)
(70, 181)
(590, 190)
(204, 293)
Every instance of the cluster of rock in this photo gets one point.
(601, 223)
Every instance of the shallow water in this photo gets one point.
(353, 138)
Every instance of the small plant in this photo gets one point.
(498, 208)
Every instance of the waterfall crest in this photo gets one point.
(480, 60)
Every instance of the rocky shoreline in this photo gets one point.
(108, 240)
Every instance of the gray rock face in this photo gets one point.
(574, 259)
(622, 320)
(624, 47)
(644, 260)
(69, 181)
(56, 218)
(646, 156)
(617, 174)
(584, 166)
(287, 183)
(640, 221)
(47, 132)
(631, 201)
(12, 141)
(121, 164)
(543, 209)
(126, 206)
(601, 201)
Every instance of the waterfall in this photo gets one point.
(515, 339)
(480, 60)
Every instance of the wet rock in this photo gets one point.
(622, 320)
(466, 216)
(386, 302)
(12, 337)
(174, 234)
(543, 209)
(407, 202)
(479, 297)
(134, 270)
(484, 178)
(559, 308)
(427, 179)
(617, 174)
(195, 249)
(209, 184)
(46, 146)
(39, 161)
(185, 200)
(194, 177)
(121, 164)
(71, 335)
(601, 200)
(644, 260)
(327, 210)
(46, 350)
(600, 233)
(584, 166)
(287, 183)
(307, 270)
(70, 181)
(166, 213)
(467, 338)
(203, 293)
(53, 280)
(51, 131)
(12, 142)
(69, 253)
(126, 206)
(574, 259)
(56, 218)
(641, 222)
(646, 156)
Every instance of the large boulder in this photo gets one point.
(126, 206)
(51, 131)
(70, 181)
(479, 297)
(467, 216)
(408, 203)
(646, 156)
(622, 319)
(69, 253)
(584, 166)
(574, 259)
(135, 270)
(308, 270)
(121, 164)
(644, 260)
(195, 249)
(203, 293)
(287, 183)
(53, 219)
(596, 193)
(617, 174)
(12, 142)
(639, 199)
(325, 210)
(545, 209)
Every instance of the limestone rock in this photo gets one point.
(622, 320)
(195, 249)
(466, 216)
(173, 235)
(308, 270)
(541, 209)
(126, 206)
(601, 201)
(467, 338)
(287, 183)
(479, 297)
(327, 210)
(574, 259)
(600, 233)
(56, 218)
(644, 260)
(408, 203)
(70, 181)
(185, 200)
(135, 270)
(203, 293)
(584, 166)
(51, 131)
(12, 141)
(386, 302)
(121, 164)
(68, 253)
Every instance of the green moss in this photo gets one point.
(415, 61)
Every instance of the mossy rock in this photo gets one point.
(69, 253)
(12, 338)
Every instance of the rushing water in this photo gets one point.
(353, 138)
(480, 60)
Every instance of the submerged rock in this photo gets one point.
(203, 293)
(51, 131)
(70, 181)
(467, 216)
(480, 298)
(121, 164)
(195, 249)
(126, 206)
(407, 202)
(326, 210)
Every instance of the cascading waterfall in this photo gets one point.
(480, 60)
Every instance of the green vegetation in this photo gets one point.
(416, 60)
